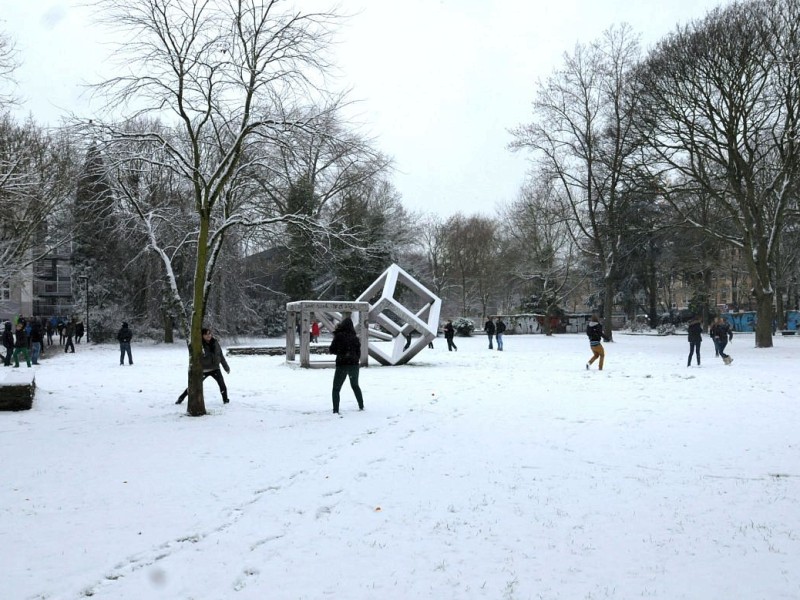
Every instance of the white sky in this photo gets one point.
(470, 475)
(441, 81)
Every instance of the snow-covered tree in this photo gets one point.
(222, 77)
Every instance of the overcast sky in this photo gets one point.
(440, 82)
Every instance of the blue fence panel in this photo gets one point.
(742, 321)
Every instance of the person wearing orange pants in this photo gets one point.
(594, 330)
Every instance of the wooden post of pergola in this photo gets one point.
(329, 313)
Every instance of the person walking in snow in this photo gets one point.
(449, 332)
(79, 330)
(594, 330)
(21, 345)
(695, 339)
(61, 328)
(69, 332)
(36, 340)
(499, 330)
(48, 329)
(489, 330)
(8, 343)
(211, 360)
(347, 348)
(722, 334)
(124, 337)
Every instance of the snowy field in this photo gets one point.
(471, 474)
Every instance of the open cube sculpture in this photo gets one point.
(392, 320)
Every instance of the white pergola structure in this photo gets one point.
(329, 314)
(396, 321)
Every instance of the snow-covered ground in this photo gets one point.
(471, 474)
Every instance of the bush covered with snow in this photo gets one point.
(464, 327)
(666, 329)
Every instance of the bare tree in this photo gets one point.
(8, 64)
(722, 115)
(37, 172)
(541, 253)
(472, 252)
(223, 73)
(583, 140)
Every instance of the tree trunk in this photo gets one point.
(764, 320)
(608, 309)
(168, 329)
(196, 405)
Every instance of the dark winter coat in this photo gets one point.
(449, 331)
(595, 332)
(36, 332)
(70, 329)
(489, 327)
(8, 336)
(346, 346)
(213, 357)
(501, 327)
(124, 335)
(21, 339)
(79, 329)
(722, 331)
(695, 332)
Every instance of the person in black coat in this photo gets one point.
(722, 334)
(124, 337)
(36, 340)
(21, 345)
(8, 343)
(347, 348)
(489, 330)
(695, 339)
(499, 330)
(449, 332)
(211, 360)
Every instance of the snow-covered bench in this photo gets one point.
(17, 389)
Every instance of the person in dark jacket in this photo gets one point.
(211, 360)
(36, 339)
(695, 339)
(79, 329)
(722, 334)
(48, 329)
(449, 332)
(8, 343)
(21, 345)
(69, 332)
(499, 330)
(124, 336)
(594, 330)
(347, 348)
(489, 330)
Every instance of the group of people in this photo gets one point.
(495, 331)
(27, 338)
(347, 348)
(721, 334)
(24, 338)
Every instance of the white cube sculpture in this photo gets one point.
(398, 320)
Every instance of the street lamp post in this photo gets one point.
(85, 279)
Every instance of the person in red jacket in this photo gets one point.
(314, 332)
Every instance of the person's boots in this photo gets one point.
(225, 398)
(180, 398)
